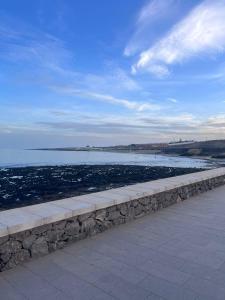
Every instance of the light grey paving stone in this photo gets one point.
(52, 295)
(29, 284)
(136, 237)
(222, 268)
(127, 244)
(166, 289)
(121, 289)
(78, 289)
(216, 277)
(168, 260)
(57, 272)
(121, 251)
(196, 269)
(165, 272)
(195, 254)
(8, 292)
(79, 267)
(154, 297)
(139, 238)
(110, 265)
(206, 288)
(216, 245)
(55, 296)
(175, 248)
(45, 268)
(209, 258)
(197, 240)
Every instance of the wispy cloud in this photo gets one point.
(216, 121)
(36, 48)
(161, 126)
(129, 104)
(44, 54)
(201, 32)
(153, 10)
(99, 129)
(177, 121)
(114, 78)
(48, 61)
(152, 13)
(173, 100)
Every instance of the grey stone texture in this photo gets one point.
(39, 241)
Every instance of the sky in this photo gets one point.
(84, 72)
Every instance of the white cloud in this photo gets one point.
(152, 13)
(124, 80)
(202, 31)
(184, 119)
(140, 127)
(152, 10)
(114, 78)
(161, 127)
(124, 102)
(216, 121)
(23, 43)
(132, 105)
(46, 60)
(172, 100)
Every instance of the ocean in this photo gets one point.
(23, 158)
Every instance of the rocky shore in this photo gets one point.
(33, 185)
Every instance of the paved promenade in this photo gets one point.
(176, 253)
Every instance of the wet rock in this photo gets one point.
(33, 185)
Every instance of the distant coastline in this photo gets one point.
(212, 149)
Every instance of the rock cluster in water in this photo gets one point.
(32, 185)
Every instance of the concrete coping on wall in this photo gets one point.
(28, 217)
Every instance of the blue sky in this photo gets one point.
(111, 72)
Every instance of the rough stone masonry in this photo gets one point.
(39, 241)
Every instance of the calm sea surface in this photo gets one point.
(18, 158)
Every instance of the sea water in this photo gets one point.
(22, 158)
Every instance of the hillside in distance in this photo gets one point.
(210, 148)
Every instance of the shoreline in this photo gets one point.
(27, 158)
(209, 159)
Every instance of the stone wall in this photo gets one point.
(22, 246)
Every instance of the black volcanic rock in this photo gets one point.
(32, 185)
